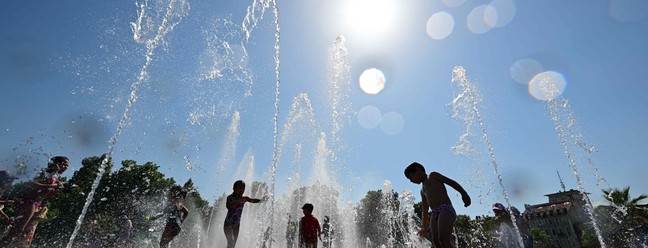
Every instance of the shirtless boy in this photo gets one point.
(435, 197)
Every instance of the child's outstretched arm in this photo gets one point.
(254, 200)
(464, 195)
(185, 212)
(155, 217)
(48, 185)
(425, 219)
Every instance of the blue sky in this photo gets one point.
(67, 67)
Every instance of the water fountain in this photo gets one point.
(465, 107)
(307, 154)
(151, 38)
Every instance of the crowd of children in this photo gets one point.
(31, 208)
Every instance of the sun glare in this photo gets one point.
(440, 25)
(372, 81)
(370, 17)
(547, 85)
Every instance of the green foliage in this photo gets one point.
(588, 238)
(134, 191)
(620, 217)
(542, 239)
(417, 210)
(371, 221)
(630, 210)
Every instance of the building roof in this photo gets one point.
(569, 192)
(549, 207)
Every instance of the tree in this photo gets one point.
(197, 220)
(632, 212)
(371, 218)
(65, 209)
(134, 191)
(623, 214)
(463, 229)
(542, 239)
(588, 238)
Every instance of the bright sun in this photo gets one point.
(370, 17)
(372, 81)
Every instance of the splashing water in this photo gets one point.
(408, 223)
(555, 106)
(255, 12)
(300, 110)
(577, 138)
(275, 10)
(229, 146)
(175, 11)
(388, 205)
(465, 106)
(339, 91)
(320, 168)
(188, 163)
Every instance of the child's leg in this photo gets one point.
(231, 233)
(446, 220)
(170, 231)
(235, 233)
(25, 214)
(434, 229)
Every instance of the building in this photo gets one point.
(562, 218)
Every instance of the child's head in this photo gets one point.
(515, 211)
(499, 209)
(308, 208)
(415, 172)
(58, 165)
(6, 179)
(176, 192)
(239, 187)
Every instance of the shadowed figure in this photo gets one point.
(176, 213)
(234, 204)
(434, 196)
(291, 230)
(42, 188)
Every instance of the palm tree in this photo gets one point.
(620, 219)
(631, 211)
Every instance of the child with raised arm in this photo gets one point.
(175, 212)
(435, 197)
(234, 204)
(42, 188)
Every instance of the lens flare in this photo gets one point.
(476, 20)
(453, 3)
(372, 81)
(440, 25)
(371, 17)
(392, 123)
(523, 70)
(547, 85)
(504, 10)
(369, 116)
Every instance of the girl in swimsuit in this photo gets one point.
(44, 187)
(176, 213)
(234, 204)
